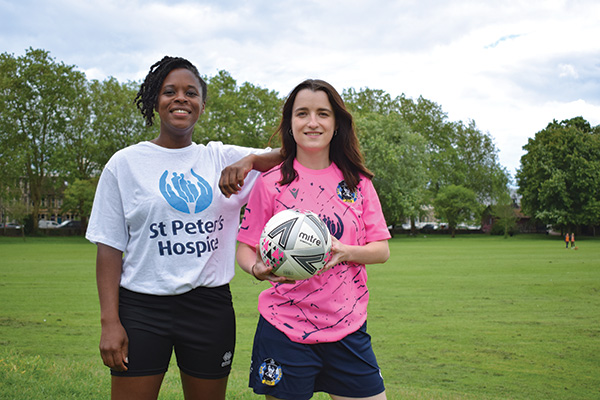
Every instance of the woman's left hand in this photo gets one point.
(371, 253)
(339, 253)
(233, 176)
(262, 272)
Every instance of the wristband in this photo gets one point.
(253, 274)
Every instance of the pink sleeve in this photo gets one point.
(373, 218)
(258, 211)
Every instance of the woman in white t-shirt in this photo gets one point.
(166, 244)
(311, 335)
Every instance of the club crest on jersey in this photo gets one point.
(344, 193)
(189, 196)
(270, 372)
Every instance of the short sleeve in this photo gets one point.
(230, 154)
(375, 225)
(258, 211)
(107, 222)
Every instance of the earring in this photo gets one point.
(335, 133)
(290, 132)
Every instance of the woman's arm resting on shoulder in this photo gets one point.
(114, 343)
(371, 253)
(233, 176)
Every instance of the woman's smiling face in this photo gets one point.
(313, 121)
(179, 103)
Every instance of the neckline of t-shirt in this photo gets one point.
(305, 169)
(168, 150)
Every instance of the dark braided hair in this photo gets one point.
(147, 97)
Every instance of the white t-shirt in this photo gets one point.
(163, 209)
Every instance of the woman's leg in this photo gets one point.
(136, 388)
(380, 396)
(203, 389)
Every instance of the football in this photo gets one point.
(296, 244)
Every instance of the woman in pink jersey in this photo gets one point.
(311, 335)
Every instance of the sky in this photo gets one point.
(512, 66)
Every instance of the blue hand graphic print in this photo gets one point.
(182, 194)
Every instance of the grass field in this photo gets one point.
(475, 317)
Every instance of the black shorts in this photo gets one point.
(199, 325)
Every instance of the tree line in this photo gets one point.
(559, 178)
(58, 129)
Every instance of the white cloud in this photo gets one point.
(567, 70)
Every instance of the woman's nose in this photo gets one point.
(180, 96)
(313, 120)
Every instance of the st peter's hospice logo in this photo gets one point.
(184, 194)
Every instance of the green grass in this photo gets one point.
(475, 317)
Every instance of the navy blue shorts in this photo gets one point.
(289, 370)
(199, 325)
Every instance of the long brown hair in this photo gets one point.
(344, 149)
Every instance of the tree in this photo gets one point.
(430, 121)
(368, 101)
(456, 204)
(395, 153)
(460, 154)
(40, 98)
(477, 166)
(79, 197)
(505, 212)
(397, 158)
(115, 124)
(245, 115)
(456, 154)
(17, 212)
(108, 121)
(559, 178)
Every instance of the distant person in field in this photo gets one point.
(567, 240)
(166, 244)
(312, 334)
(572, 240)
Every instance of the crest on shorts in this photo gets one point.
(227, 357)
(270, 372)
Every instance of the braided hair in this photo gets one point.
(147, 97)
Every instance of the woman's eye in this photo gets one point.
(192, 94)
